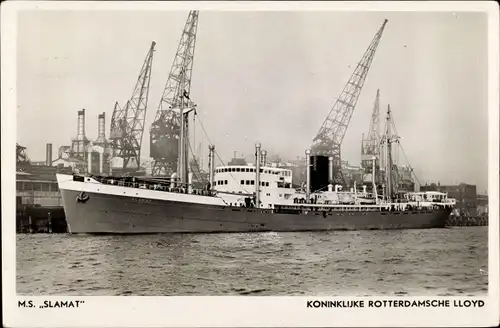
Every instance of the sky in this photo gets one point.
(269, 77)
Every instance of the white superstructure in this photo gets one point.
(234, 183)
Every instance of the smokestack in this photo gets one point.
(100, 131)
(80, 137)
(81, 124)
(101, 134)
(48, 154)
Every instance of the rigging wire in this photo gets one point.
(197, 166)
(217, 154)
(402, 149)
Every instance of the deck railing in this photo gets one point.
(176, 188)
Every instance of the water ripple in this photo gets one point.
(401, 263)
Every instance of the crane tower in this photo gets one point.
(331, 134)
(166, 129)
(127, 124)
(370, 146)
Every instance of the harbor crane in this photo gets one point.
(329, 139)
(370, 146)
(21, 157)
(127, 123)
(168, 153)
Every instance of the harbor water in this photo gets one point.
(445, 262)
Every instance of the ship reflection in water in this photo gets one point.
(390, 262)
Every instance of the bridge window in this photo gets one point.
(28, 186)
(267, 184)
(242, 182)
(247, 182)
(225, 181)
(247, 170)
(252, 182)
(237, 169)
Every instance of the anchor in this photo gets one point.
(82, 197)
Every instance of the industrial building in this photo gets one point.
(84, 156)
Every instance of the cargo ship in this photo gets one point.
(240, 198)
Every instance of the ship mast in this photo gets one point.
(389, 139)
(182, 165)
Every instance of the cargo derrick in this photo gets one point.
(331, 134)
(370, 146)
(166, 129)
(127, 124)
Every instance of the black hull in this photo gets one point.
(114, 214)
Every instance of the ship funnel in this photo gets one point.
(308, 174)
(48, 154)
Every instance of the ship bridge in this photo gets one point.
(238, 182)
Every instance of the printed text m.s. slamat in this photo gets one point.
(50, 304)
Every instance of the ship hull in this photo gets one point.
(116, 214)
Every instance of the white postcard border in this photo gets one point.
(240, 310)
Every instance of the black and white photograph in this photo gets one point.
(188, 150)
